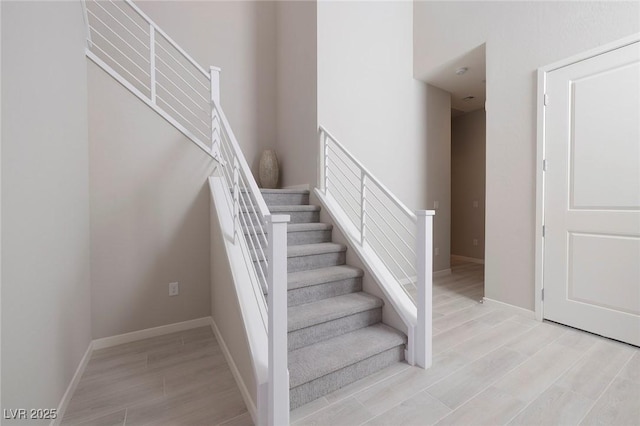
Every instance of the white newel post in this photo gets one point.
(424, 265)
(278, 406)
(214, 73)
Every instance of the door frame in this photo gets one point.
(540, 182)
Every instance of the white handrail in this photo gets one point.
(395, 243)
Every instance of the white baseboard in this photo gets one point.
(516, 309)
(119, 339)
(442, 273)
(467, 259)
(73, 384)
(246, 395)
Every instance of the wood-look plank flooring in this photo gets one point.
(491, 366)
(176, 379)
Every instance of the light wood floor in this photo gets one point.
(176, 379)
(491, 366)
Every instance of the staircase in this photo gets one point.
(335, 333)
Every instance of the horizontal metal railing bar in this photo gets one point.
(244, 167)
(183, 105)
(121, 52)
(344, 175)
(127, 15)
(260, 224)
(394, 261)
(164, 101)
(118, 64)
(409, 263)
(257, 268)
(185, 93)
(145, 98)
(180, 77)
(204, 86)
(370, 176)
(264, 257)
(144, 44)
(145, 58)
(344, 198)
(399, 237)
(337, 179)
(337, 155)
(411, 234)
(355, 219)
(166, 37)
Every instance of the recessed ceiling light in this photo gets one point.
(468, 98)
(461, 70)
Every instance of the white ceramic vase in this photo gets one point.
(269, 170)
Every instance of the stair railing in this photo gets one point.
(394, 242)
(135, 51)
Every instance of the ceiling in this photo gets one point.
(471, 83)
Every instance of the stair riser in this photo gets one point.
(294, 217)
(308, 237)
(315, 261)
(319, 332)
(286, 199)
(324, 385)
(323, 291)
(299, 238)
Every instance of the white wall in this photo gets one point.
(520, 37)
(468, 144)
(149, 214)
(367, 96)
(296, 54)
(239, 37)
(438, 169)
(45, 211)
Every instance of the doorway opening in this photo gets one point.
(465, 79)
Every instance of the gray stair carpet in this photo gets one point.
(335, 330)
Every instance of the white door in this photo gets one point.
(591, 264)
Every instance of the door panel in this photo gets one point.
(592, 195)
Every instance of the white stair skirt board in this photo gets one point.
(467, 259)
(73, 384)
(120, 339)
(251, 407)
(516, 309)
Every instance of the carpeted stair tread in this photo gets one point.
(312, 249)
(321, 311)
(294, 208)
(295, 227)
(304, 250)
(283, 209)
(313, 277)
(319, 359)
(284, 191)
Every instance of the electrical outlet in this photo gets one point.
(475, 204)
(436, 251)
(475, 241)
(174, 289)
(436, 205)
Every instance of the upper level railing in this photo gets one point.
(128, 45)
(395, 241)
